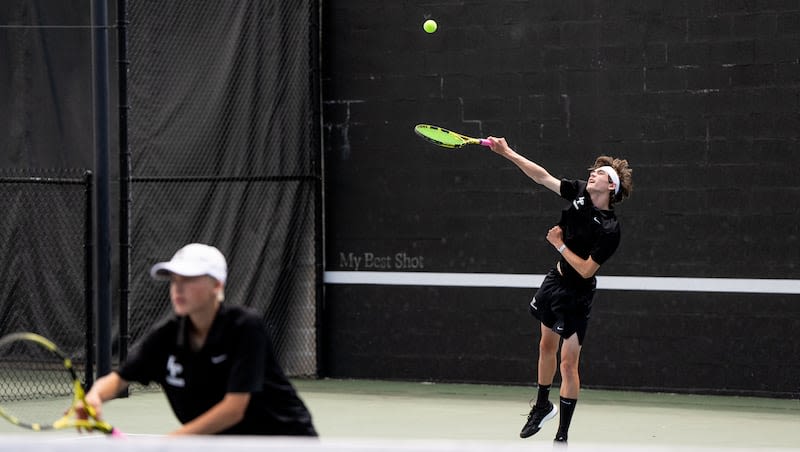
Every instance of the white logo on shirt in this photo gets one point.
(596, 220)
(578, 202)
(533, 304)
(219, 359)
(174, 368)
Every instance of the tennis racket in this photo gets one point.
(446, 138)
(39, 389)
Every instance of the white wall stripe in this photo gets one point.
(642, 283)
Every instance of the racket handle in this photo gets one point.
(485, 142)
(115, 433)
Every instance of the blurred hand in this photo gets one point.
(94, 406)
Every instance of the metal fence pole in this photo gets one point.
(102, 185)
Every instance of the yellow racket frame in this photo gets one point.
(69, 419)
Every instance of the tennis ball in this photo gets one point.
(430, 26)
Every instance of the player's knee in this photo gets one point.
(547, 348)
(569, 368)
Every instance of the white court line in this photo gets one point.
(640, 283)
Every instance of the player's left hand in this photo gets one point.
(555, 236)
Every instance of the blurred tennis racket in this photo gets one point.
(446, 138)
(35, 377)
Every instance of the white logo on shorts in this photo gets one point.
(533, 304)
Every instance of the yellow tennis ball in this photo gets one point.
(430, 26)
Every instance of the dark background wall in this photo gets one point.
(701, 97)
(46, 84)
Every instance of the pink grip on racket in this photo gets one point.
(485, 142)
(117, 434)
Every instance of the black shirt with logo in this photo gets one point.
(588, 231)
(237, 357)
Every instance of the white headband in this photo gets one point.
(613, 175)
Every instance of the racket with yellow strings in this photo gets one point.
(446, 138)
(40, 389)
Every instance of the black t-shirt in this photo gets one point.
(588, 231)
(236, 357)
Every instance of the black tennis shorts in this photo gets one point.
(563, 307)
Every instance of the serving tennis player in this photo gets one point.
(586, 236)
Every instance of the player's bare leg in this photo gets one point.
(543, 410)
(548, 351)
(570, 385)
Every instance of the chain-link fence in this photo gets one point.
(224, 136)
(223, 126)
(45, 247)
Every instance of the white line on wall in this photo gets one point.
(639, 283)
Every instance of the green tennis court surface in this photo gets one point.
(379, 415)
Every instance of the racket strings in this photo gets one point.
(443, 137)
(37, 387)
(439, 136)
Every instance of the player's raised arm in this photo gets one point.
(531, 169)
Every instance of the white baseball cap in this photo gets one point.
(194, 259)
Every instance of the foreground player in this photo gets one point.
(215, 362)
(586, 236)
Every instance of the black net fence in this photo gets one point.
(45, 248)
(224, 138)
(32, 373)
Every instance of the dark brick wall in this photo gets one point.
(682, 342)
(703, 98)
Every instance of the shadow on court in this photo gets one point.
(380, 410)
